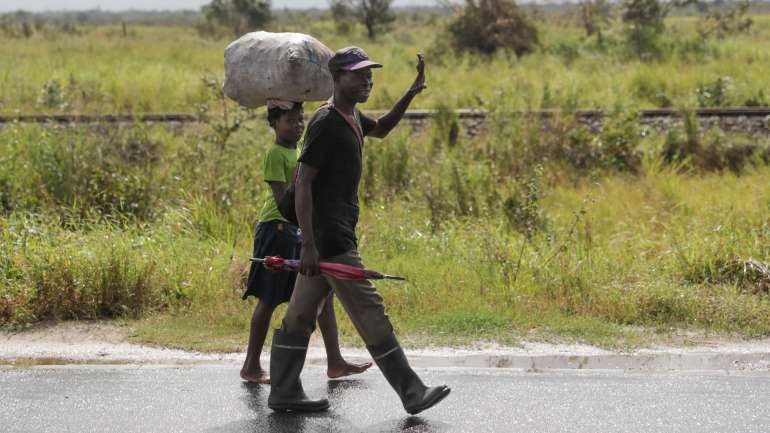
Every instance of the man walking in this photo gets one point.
(327, 211)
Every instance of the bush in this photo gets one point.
(713, 150)
(682, 146)
(446, 128)
(722, 22)
(715, 93)
(239, 16)
(103, 171)
(644, 24)
(595, 15)
(652, 88)
(52, 95)
(375, 15)
(17, 25)
(486, 26)
(620, 140)
(581, 149)
(523, 208)
(758, 100)
(568, 50)
(387, 169)
(720, 152)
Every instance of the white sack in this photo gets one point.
(287, 66)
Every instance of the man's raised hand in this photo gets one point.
(419, 82)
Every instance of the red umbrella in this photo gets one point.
(338, 271)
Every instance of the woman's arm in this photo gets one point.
(279, 189)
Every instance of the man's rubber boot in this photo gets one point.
(287, 357)
(415, 396)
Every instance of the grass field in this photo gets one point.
(158, 68)
(517, 233)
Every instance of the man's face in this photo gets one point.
(356, 85)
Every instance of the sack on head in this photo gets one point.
(286, 66)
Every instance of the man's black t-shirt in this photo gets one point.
(333, 148)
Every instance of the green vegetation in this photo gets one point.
(157, 68)
(375, 15)
(156, 223)
(519, 232)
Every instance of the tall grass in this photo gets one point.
(498, 235)
(527, 229)
(159, 68)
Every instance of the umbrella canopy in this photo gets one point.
(337, 271)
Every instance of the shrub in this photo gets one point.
(446, 128)
(522, 207)
(387, 169)
(110, 172)
(715, 93)
(52, 95)
(568, 50)
(581, 150)
(644, 24)
(239, 16)
(17, 25)
(681, 146)
(652, 88)
(595, 15)
(757, 100)
(748, 274)
(720, 152)
(619, 141)
(486, 26)
(375, 15)
(722, 22)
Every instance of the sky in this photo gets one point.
(116, 5)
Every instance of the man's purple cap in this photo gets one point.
(351, 59)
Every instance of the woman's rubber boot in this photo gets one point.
(287, 357)
(415, 396)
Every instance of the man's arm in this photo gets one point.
(387, 122)
(303, 203)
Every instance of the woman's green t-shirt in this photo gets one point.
(278, 166)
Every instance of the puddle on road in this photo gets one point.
(34, 362)
(59, 361)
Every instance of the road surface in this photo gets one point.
(210, 398)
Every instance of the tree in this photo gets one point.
(375, 15)
(342, 15)
(240, 16)
(488, 25)
(595, 15)
(645, 22)
(721, 20)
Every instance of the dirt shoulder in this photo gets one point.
(109, 343)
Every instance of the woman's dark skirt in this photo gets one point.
(273, 238)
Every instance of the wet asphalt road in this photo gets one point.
(212, 399)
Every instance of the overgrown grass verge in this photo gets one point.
(524, 231)
(634, 256)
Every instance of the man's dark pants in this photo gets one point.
(359, 298)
